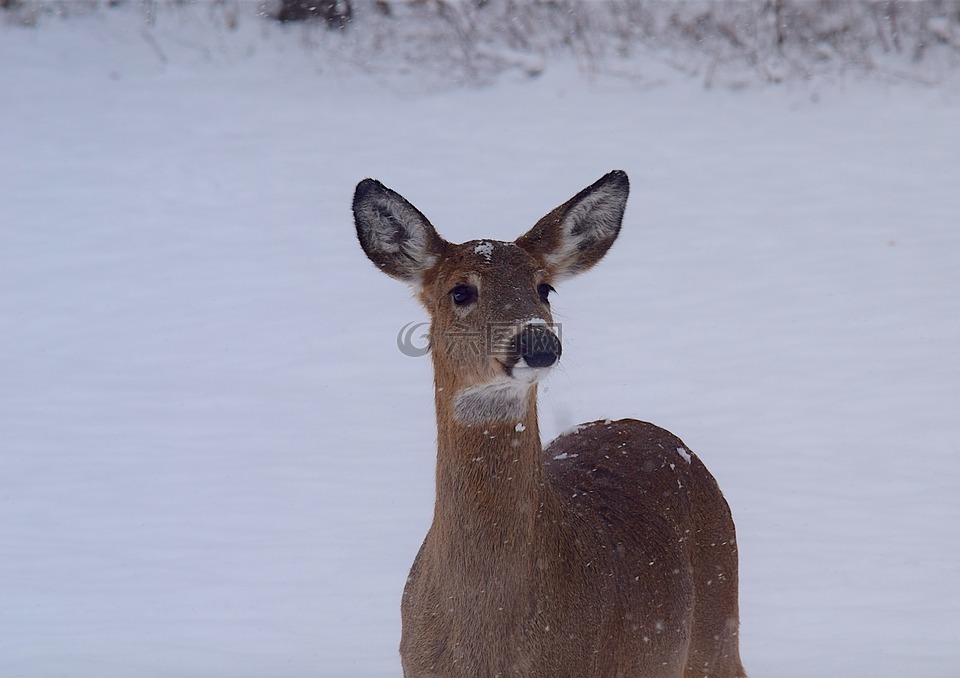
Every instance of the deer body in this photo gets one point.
(612, 552)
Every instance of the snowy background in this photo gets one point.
(215, 462)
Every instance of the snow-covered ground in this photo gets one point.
(215, 462)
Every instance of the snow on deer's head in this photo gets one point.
(491, 331)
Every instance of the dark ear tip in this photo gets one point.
(617, 178)
(365, 188)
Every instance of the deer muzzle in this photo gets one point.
(537, 346)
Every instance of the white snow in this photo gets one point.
(682, 451)
(214, 461)
(485, 249)
(571, 430)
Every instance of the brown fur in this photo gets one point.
(612, 552)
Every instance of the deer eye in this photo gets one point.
(544, 290)
(463, 294)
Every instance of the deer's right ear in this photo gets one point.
(393, 233)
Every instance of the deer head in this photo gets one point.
(491, 333)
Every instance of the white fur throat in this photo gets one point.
(500, 400)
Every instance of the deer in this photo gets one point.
(612, 551)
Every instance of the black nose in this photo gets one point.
(538, 346)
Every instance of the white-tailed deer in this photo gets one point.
(612, 552)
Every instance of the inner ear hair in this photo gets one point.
(576, 235)
(393, 233)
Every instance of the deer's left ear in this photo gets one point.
(577, 234)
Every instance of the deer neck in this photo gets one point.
(493, 498)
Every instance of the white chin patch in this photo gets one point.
(529, 375)
(503, 399)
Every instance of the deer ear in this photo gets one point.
(576, 235)
(393, 233)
